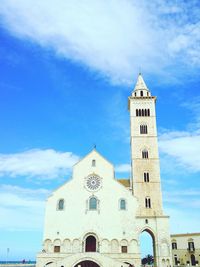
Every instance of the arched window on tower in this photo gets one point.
(145, 112)
(148, 112)
(145, 154)
(146, 177)
(141, 93)
(143, 129)
(60, 204)
(93, 203)
(148, 202)
(137, 112)
(140, 113)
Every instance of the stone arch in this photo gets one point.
(164, 247)
(105, 246)
(90, 234)
(133, 246)
(88, 260)
(124, 242)
(163, 263)
(49, 264)
(67, 246)
(152, 234)
(76, 245)
(168, 263)
(114, 246)
(87, 263)
(48, 245)
(57, 242)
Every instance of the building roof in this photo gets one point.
(185, 234)
(124, 182)
(140, 84)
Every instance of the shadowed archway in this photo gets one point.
(87, 264)
(90, 244)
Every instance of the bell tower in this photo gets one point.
(144, 151)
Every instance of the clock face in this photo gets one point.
(93, 182)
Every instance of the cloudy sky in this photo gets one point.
(67, 69)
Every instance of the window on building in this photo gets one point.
(93, 163)
(142, 112)
(175, 259)
(135, 93)
(148, 112)
(124, 249)
(145, 154)
(122, 204)
(146, 221)
(148, 202)
(143, 129)
(174, 245)
(61, 204)
(56, 248)
(191, 246)
(141, 93)
(93, 203)
(146, 177)
(137, 114)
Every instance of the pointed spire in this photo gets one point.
(140, 84)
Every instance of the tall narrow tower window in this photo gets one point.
(148, 202)
(145, 154)
(140, 113)
(93, 163)
(148, 112)
(143, 112)
(141, 93)
(143, 129)
(137, 112)
(146, 177)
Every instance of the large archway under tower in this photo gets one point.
(148, 247)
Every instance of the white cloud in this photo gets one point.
(123, 168)
(184, 147)
(115, 38)
(45, 164)
(22, 208)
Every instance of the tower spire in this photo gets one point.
(140, 87)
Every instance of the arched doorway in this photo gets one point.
(90, 244)
(87, 264)
(193, 260)
(148, 248)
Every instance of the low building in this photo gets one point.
(186, 249)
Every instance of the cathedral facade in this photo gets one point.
(95, 220)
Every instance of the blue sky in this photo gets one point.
(67, 69)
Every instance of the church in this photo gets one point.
(95, 220)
